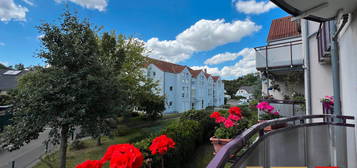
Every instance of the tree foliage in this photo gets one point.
(91, 79)
(232, 86)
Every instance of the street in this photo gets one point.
(27, 155)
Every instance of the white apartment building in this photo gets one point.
(184, 88)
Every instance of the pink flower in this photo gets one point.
(228, 123)
(276, 113)
(234, 117)
(262, 105)
(220, 119)
(269, 108)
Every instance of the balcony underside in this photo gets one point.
(282, 68)
(316, 10)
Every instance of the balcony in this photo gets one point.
(287, 108)
(306, 141)
(280, 55)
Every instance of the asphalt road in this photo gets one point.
(27, 155)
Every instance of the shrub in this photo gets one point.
(202, 116)
(121, 131)
(188, 132)
(77, 145)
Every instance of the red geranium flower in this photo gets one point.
(235, 111)
(234, 117)
(215, 115)
(161, 145)
(220, 119)
(228, 123)
(91, 164)
(123, 156)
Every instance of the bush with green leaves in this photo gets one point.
(193, 127)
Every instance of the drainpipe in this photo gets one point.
(307, 72)
(335, 70)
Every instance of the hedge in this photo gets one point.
(189, 132)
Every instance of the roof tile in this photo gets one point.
(283, 28)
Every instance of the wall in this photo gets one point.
(321, 75)
(348, 77)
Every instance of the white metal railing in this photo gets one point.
(287, 54)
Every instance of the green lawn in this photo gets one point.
(93, 152)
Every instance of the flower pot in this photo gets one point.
(273, 127)
(277, 126)
(218, 143)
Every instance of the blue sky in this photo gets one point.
(214, 34)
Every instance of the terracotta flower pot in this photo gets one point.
(218, 143)
(275, 126)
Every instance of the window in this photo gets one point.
(171, 88)
(324, 41)
(170, 103)
(153, 73)
(183, 94)
(183, 88)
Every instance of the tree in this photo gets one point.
(253, 79)
(64, 95)
(19, 66)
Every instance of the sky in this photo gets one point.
(217, 35)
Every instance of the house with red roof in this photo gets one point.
(184, 88)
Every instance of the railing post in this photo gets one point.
(291, 54)
(13, 164)
(261, 133)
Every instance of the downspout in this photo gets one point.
(307, 72)
(335, 70)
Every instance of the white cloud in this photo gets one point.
(4, 63)
(204, 35)
(99, 5)
(11, 11)
(227, 56)
(254, 7)
(28, 2)
(40, 36)
(244, 66)
(2, 44)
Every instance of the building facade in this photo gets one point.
(184, 88)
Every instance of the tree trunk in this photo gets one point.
(99, 141)
(63, 146)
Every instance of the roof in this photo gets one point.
(283, 28)
(8, 80)
(249, 89)
(166, 66)
(195, 73)
(175, 68)
(215, 78)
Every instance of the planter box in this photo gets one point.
(218, 143)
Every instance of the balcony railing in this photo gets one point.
(287, 108)
(305, 141)
(279, 55)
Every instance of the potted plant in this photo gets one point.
(231, 124)
(269, 114)
(327, 104)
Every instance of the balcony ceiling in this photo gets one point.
(316, 10)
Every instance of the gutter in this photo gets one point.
(307, 72)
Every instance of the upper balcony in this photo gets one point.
(280, 56)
